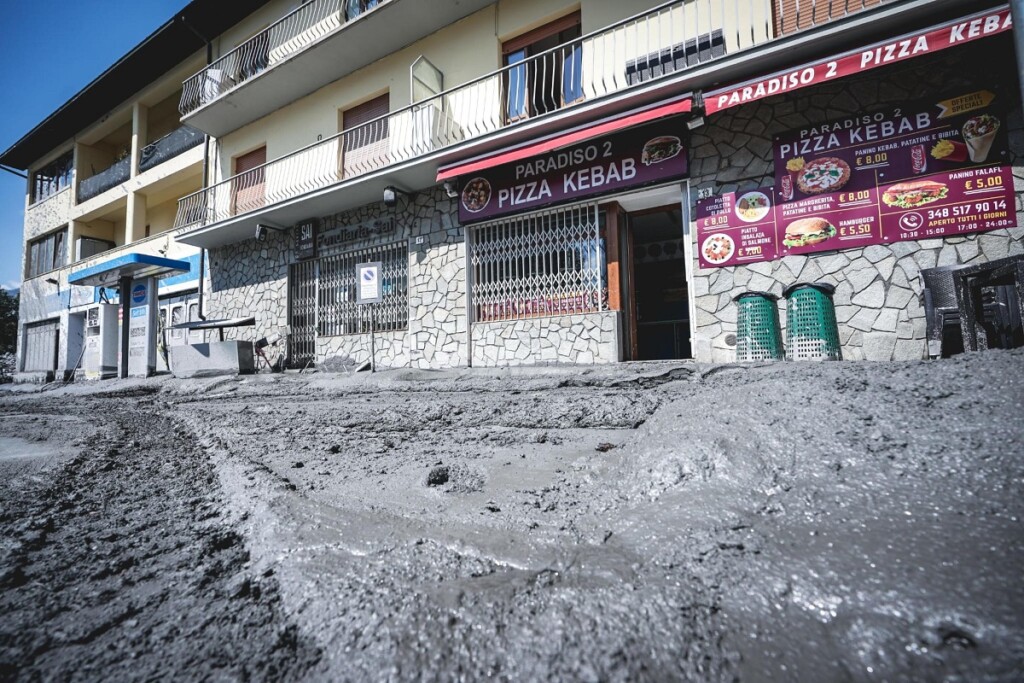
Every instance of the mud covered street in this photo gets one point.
(845, 521)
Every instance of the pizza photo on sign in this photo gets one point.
(718, 248)
(476, 195)
(807, 232)
(826, 174)
(915, 193)
(660, 149)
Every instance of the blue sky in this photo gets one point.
(50, 51)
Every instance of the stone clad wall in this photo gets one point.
(584, 339)
(878, 288)
(251, 278)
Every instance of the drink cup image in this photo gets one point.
(979, 132)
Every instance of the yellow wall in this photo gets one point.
(160, 218)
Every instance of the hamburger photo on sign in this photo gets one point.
(807, 232)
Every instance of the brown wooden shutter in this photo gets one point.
(247, 188)
(371, 140)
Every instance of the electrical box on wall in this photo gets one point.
(102, 334)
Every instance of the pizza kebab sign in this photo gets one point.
(638, 156)
(936, 168)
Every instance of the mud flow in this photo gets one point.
(812, 522)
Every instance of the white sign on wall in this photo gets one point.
(368, 282)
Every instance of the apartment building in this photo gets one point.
(575, 182)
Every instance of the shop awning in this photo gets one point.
(566, 138)
(109, 273)
(910, 45)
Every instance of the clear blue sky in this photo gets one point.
(48, 52)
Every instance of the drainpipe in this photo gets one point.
(206, 169)
(1017, 14)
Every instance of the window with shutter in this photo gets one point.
(248, 185)
(365, 136)
(547, 69)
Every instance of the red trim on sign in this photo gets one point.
(565, 139)
(929, 41)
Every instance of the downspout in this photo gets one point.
(206, 171)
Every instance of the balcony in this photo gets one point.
(99, 183)
(314, 45)
(662, 53)
(169, 146)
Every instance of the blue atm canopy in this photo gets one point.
(135, 266)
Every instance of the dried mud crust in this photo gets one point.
(119, 565)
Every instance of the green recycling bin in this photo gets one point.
(758, 333)
(811, 329)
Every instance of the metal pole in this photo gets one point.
(126, 308)
(373, 347)
(1017, 15)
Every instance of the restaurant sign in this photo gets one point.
(959, 32)
(631, 158)
(932, 169)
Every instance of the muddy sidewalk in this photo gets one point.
(844, 521)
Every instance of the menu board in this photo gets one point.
(933, 169)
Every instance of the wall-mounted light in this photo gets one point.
(263, 229)
(451, 189)
(391, 195)
(695, 123)
(53, 281)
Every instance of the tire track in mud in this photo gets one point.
(120, 565)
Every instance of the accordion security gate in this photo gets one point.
(541, 264)
(322, 297)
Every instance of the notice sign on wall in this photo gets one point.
(368, 279)
(922, 171)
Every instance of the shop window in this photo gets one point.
(52, 178)
(353, 8)
(546, 69)
(364, 145)
(47, 253)
(542, 264)
(248, 183)
(337, 311)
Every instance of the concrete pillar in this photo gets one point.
(74, 232)
(140, 125)
(135, 222)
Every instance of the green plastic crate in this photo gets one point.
(758, 333)
(811, 329)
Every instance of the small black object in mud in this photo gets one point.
(438, 476)
(604, 447)
(336, 448)
(298, 463)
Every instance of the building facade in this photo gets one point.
(571, 182)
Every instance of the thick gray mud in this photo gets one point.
(816, 522)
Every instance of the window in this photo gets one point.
(364, 145)
(353, 8)
(546, 69)
(337, 310)
(542, 264)
(52, 178)
(47, 253)
(247, 185)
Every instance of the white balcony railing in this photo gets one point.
(670, 38)
(291, 34)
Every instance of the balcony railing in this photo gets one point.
(110, 177)
(176, 142)
(292, 33)
(672, 37)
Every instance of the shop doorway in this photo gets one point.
(657, 296)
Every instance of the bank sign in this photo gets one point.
(631, 158)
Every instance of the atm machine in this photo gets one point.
(102, 336)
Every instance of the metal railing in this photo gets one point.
(648, 46)
(112, 176)
(293, 33)
(544, 264)
(176, 142)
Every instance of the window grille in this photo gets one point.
(338, 312)
(541, 264)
